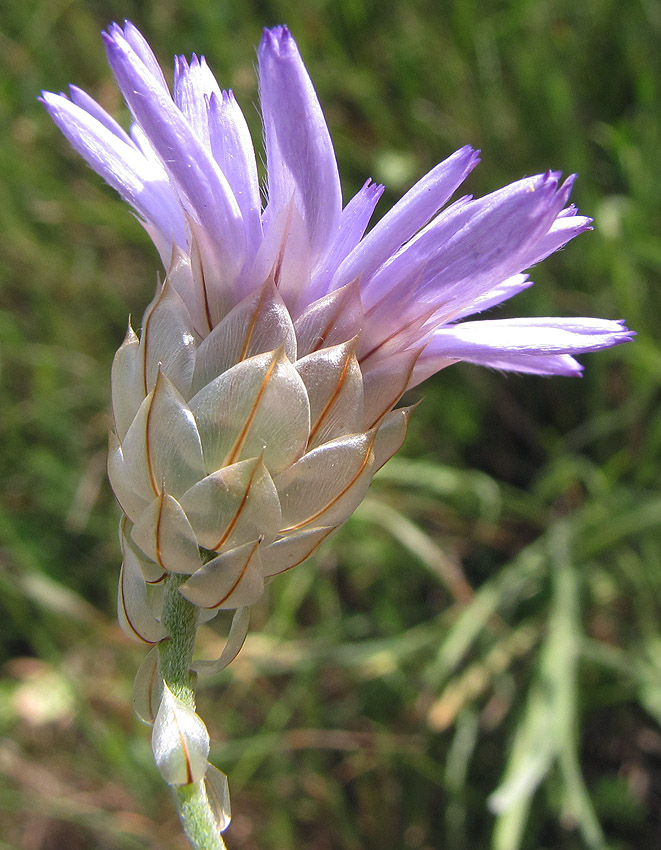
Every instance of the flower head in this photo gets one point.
(258, 402)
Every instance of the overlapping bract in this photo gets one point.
(256, 405)
(232, 457)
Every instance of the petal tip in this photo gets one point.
(111, 40)
(276, 39)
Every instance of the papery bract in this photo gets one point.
(180, 741)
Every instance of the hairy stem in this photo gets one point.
(176, 652)
(175, 656)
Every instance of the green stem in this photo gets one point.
(175, 656)
(176, 653)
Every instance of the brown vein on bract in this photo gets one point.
(123, 524)
(126, 613)
(306, 556)
(197, 255)
(121, 584)
(240, 576)
(157, 580)
(184, 747)
(243, 435)
(145, 334)
(399, 394)
(283, 245)
(207, 308)
(422, 317)
(150, 464)
(157, 542)
(334, 396)
(230, 528)
(252, 325)
(334, 501)
(393, 336)
(339, 309)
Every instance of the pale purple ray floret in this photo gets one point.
(188, 169)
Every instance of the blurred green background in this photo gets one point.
(475, 660)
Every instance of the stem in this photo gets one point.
(176, 652)
(175, 656)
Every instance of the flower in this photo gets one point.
(258, 402)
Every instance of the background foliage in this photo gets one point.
(475, 661)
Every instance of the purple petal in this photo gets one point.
(525, 344)
(535, 336)
(82, 99)
(188, 168)
(505, 361)
(140, 139)
(542, 346)
(284, 255)
(232, 149)
(408, 215)
(203, 187)
(469, 248)
(562, 231)
(141, 182)
(141, 49)
(194, 84)
(353, 223)
(299, 151)
(502, 292)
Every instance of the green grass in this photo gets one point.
(475, 660)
